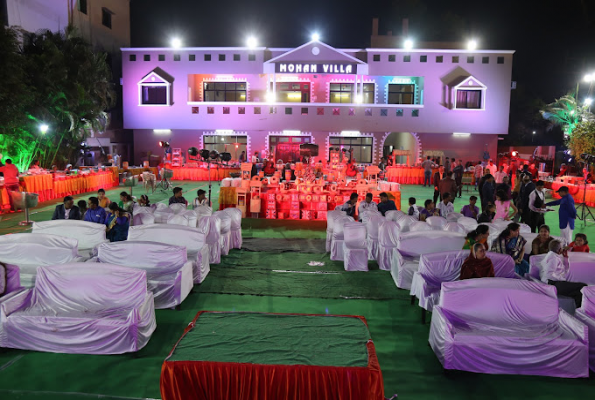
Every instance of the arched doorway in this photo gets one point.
(404, 141)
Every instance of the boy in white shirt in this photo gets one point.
(413, 209)
(366, 205)
(445, 206)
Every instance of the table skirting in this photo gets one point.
(576, 191)
(202, 174)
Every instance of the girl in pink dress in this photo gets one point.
(504, 207)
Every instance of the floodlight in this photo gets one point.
(225, 156)
(214, 154)
(408, 44)
(43, 128)
(588, 102)
(252, 42)
(315, 37)
(204, 153)
(193, 151)
(176, 43)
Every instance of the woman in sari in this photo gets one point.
(117, 224)
(477, 265)
(126, 203)
(512, 243)
(479, 235)
(541, 243)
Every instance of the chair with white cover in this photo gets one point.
(355, 247)
(236, 227)
(366, 214)
(88, 234)
(143, 218)
(420, 226)
(496, 320)
(185, 218)
(162, 214)
(203, 211)
(495, 230)
(394, 215)
(27, 251)
(214, 239)
(169, 273)
(586, 314)
(581, 268)
(193, 239)
(331, 216)
(178, 207)
(437, 268)
(373, 224)
(137, 208)
(454, 216)
(225, 231)
(405, 221)
(469, 224)
(338, 238)
(388, 239)
(455, 227)
(13, 280)
(80, 308)
(412, 245)
(437, 223)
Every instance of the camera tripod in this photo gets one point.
(583, 207)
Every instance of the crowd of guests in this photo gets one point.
(383, 206)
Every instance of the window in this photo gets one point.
(224, 91)
(455, 59)
(176, 57)
(288, 111)
(401, 94)
(341, 93)
(293, 92)
(485, 60)
(362, 147)
(106, 17)
(392, 58)
(469, 99)
(423, 58)
(251, 57)
(221, 57)
(439, 59)
(161, 57)
(376, 57)
(147, 57)
(500, 60)
(191, 57)
(470, 60)
(132, 57)
(154, 95)
(406, 58)
(83, 6)
(369, 95)
(232, 144)
(236, 57)
(207, 57)
(287, 148)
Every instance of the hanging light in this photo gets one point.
(164, 144)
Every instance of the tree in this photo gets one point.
(582, 139)
(566, 113)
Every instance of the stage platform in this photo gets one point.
(263, 356)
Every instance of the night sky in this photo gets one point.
(554, 40)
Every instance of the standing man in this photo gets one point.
(499, 176)
(447, 166)
(366, 205)
(427, 166)
(458, 171)
(242, 158)
(67, 210)
(527, 187)
(537, 207)
(349, 207)
(487, 192)
(566, 213)
(447, 185)
(437, 178)
(492, 167)
(11, 181)
(478, 173)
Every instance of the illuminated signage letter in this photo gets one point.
(291, 68)
(325, 68)
(306, 69)
(348, 69)
(313, 68)
(298, 68)
(282, 68)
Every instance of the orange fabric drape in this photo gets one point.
(202, 174)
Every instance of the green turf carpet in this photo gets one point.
(313, 246)
(276, 339)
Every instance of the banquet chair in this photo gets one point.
(214, 239)
(355, 247)
(586, 314)
(80, 308)
(193, 239)
(513, 326)
(394, 215)
(454, 216)
(185, 218)
(12, 284)
(178, 208)
(338, 238)
(373, 224)
(468, 223)
(437, 268)
(236, 227)
(204, 211)
(529, 237)
(169, 273)
(143, 219)
(388, 237)
(420, 226)
(455, 227)
(162, 213)
(88, 234)
(225, 231)
(405, 221)
(366, 214)
(330, 220)
(437, 223)
(412, 245)
(27, 251)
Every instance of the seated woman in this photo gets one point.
(430, 210)
(117, 224)
(477, 265)
(512, 243)
(126, 203)
(541, 243)
(479, 235)
(144, 201)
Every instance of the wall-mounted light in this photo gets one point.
(461, 134)
(251, 42)
(176, 43)
(408, 44)
(291, 132)
(315, 37)
(223, 131)
(350, 133)
(472, 44)
(162, 131)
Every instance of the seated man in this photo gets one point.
(67, 210)
(177, 197)
(554, 271)
(95, 213)
(82, 205)
(201, 199)
(366, 205)
(413, 210)
(477, 265)
(349, 207)
(445, 206)
(471, 210)
(429, 211)
(385, 204)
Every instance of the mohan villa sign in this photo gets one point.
(316, 68)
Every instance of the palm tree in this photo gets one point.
(567, 113)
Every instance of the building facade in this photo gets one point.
(270, 100)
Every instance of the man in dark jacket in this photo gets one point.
(67, 210)
(527, 187)
(458, 172)
(487, 192)
(447, 185)
(437, 178)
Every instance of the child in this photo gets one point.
(580, 244)
(82, 204)
(488, 214)
(445, 206)
(428, 211)
(413, 210)
(104, 202)
(470, 210)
